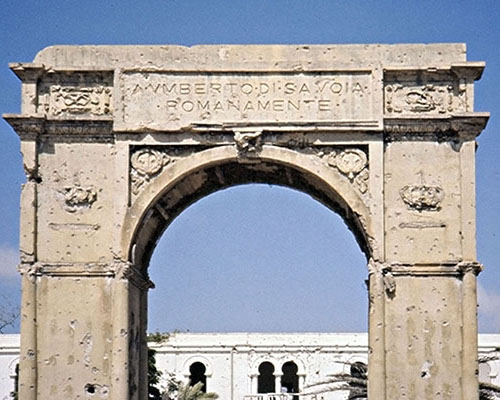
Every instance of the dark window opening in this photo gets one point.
(197, 371)
(290, 379)
(266, 382)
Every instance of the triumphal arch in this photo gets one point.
(118, 140)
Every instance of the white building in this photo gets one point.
(239, 366)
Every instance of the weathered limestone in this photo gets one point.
(118, 140)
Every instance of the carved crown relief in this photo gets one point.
(78, 198)
(424, 93)
(76, 94)
(422, 197)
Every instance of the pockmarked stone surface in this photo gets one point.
(118, 140)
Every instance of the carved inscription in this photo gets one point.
(424, 93)
(160, 100)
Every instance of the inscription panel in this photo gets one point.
(170, 101)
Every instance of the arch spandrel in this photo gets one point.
(344, 190)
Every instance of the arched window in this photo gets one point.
(290, 379)
(265, 382)
(197, 374)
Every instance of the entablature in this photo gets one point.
(378, 88)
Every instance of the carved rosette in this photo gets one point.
(353, 163)
(146, 163)
(422, 197)
(78, 198)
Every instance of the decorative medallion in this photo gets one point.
(350, 162)
(353, 163)
(146, 163)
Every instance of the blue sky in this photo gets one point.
(286, 263)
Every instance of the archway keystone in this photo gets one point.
(118, 140)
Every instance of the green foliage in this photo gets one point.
(356, 383)
(488, 391)
(176, 390)
(154, 376)
(158, 337)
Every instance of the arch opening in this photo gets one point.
(171, 197)
(202, 181)
(257, 258)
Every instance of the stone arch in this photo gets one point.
(149, 215)
(389, 146)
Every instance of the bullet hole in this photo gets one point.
(90, 389)
(426, 370)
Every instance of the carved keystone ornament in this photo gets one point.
(248, 143)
